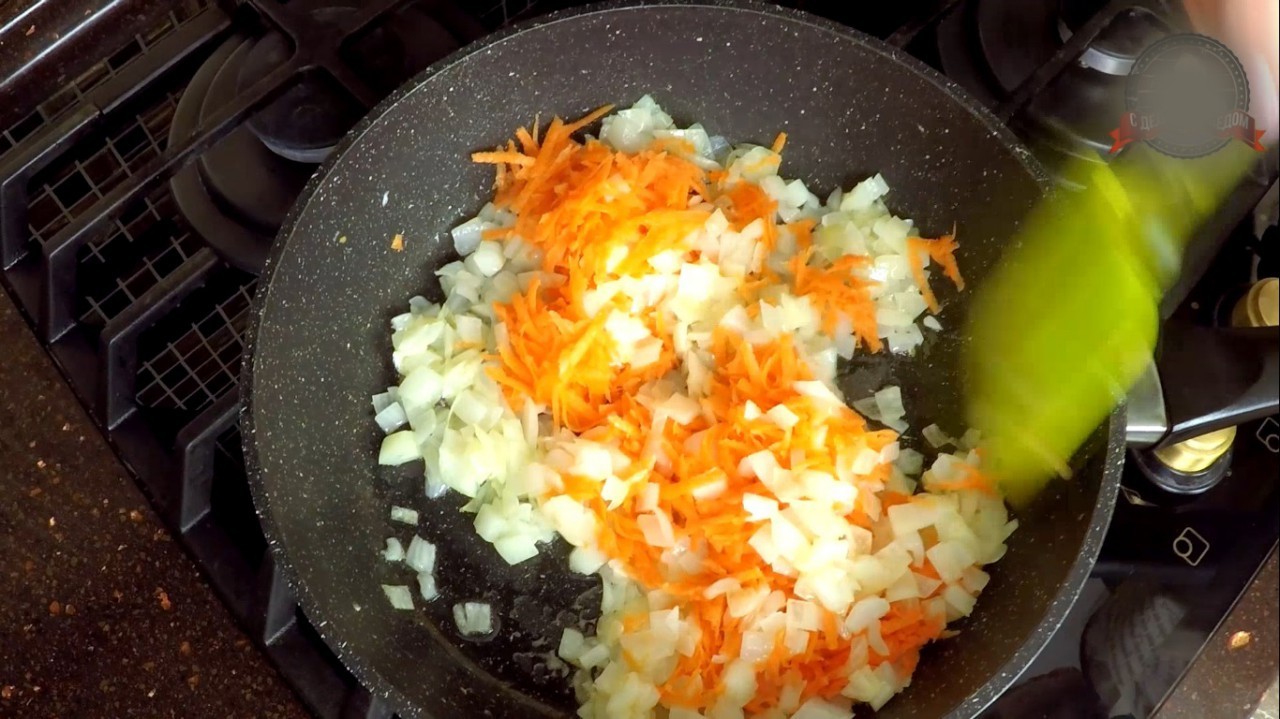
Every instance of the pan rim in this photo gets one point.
(371, 678)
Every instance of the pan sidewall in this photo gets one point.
(263, 385)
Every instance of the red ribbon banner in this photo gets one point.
(1132, 128)
(1239, 125)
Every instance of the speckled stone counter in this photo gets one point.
(1237, 667)
(101, 613)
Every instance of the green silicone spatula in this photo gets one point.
(1069, 318)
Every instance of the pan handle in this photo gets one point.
(1205, 379)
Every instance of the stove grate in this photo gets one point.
(79, 90)
(192, 357)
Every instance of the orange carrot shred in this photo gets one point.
(597, 216)
(942, 251)
(502, 158)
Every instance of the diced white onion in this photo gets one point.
(473, 618)
(391, 418)
(864, 612)
(466, 237)
(421, 556)
(398, 448)
(889, 404)
(572, 645)
(427, 586)
(936, 438)
(404, 515)
(394, 551)
(399, 596)
(819, 708)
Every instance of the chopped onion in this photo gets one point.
(818, 391)
(399, 596)
(586, 561)
(936, 438)
(782, 416)
(516, 548)
(910, 462)
(759, 508)
(572, 645)
(383, 400)
(421, 556)
(657, 529)
(473, 618)
(889, 404)
(721, 586)
(594, 657)
(391, 418)
(488, 258)
(864, 612)
(950, 560)
(404, 515)
(398, 448)
(959, 600)
(467, 236)
(394, 551)
(868, 408)
(864, 193)
(739, 680)
(427, 586)
(819, 708)
(746, 601)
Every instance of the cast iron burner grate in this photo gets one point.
(106, 237)
(237, 193)
(990, 47)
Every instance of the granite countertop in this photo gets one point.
(102, 614)
(1235, 674)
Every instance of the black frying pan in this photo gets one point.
(320, 347)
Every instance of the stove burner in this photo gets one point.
(236, 195)
(307, 120)
(408, 41)
(1114, 50)
(992, 46)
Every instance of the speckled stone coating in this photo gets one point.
(851, 106)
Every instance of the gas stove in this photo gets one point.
(150, 151)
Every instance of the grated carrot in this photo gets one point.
(597, 215)
(942, 251)
(502, 158)
(838, 293)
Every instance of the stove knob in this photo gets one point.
(1191, 467)
(1260, 307)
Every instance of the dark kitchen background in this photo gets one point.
(150, 150)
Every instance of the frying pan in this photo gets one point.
(320, 345)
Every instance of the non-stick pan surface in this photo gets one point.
(320, 346)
